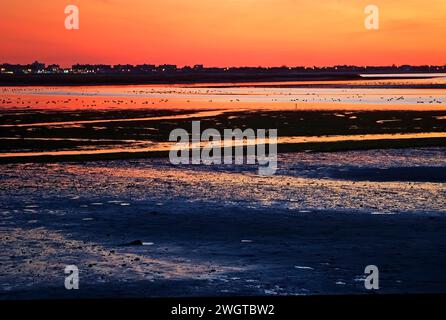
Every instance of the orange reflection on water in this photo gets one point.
(270, 96)
(150, 146)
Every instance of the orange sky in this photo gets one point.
(225, 32)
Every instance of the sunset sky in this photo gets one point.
(224, 33)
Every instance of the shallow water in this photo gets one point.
(303, 180)
(232, 96)
(148, 146)
(201, 101)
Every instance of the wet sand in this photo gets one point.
(205, 253)
(42, 135)
(145, 228)
(138, 226)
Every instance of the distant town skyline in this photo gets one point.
(102, 74)
(42, 68)
(225, 33)
(201, 65)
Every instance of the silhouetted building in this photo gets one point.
(167, 68)
(123, 68)
(37, 67)
(145, 68)
(53, 68)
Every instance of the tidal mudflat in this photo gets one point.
(142, 228)
(360, 181)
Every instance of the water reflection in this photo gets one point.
(152, 146)
(358, 95)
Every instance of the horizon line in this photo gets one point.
(233, 66)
